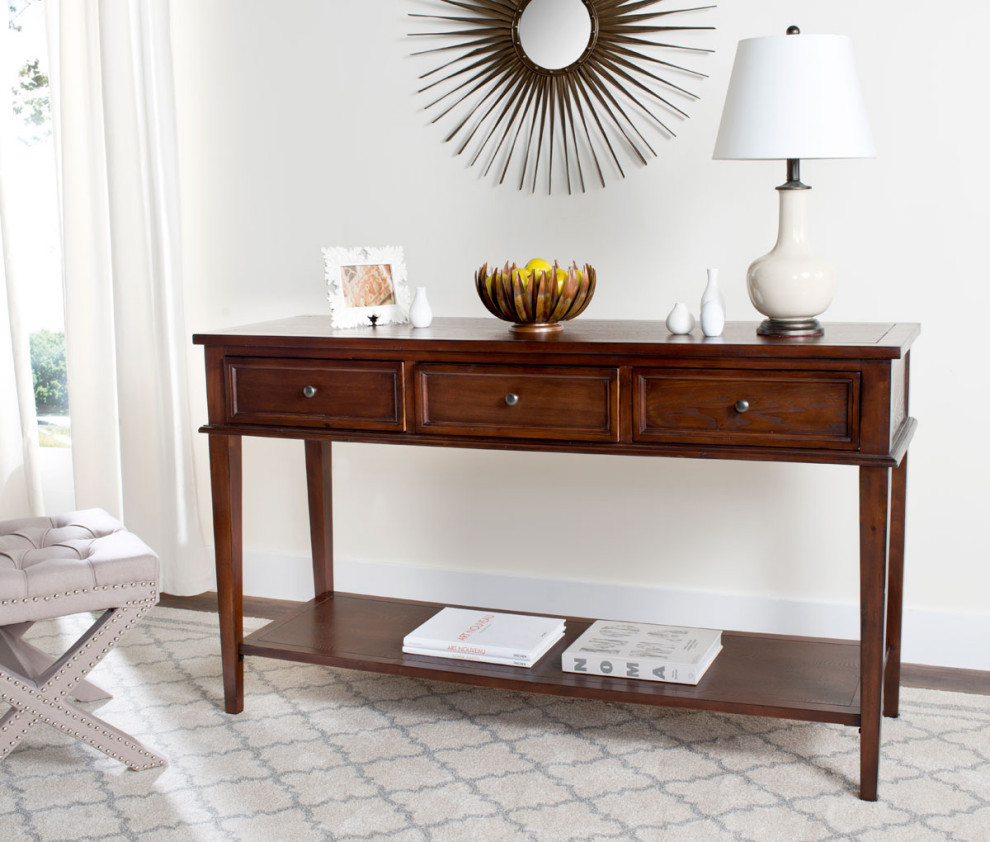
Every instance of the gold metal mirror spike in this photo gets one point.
(532, 125)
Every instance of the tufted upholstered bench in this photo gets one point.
(53, 567)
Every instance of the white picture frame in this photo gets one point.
(366, 286)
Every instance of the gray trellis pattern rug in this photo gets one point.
(324, 754)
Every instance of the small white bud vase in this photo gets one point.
(712, 307)
(712, 319)
(420, 313)
(680, 320)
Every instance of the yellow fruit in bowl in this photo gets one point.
(538, 264)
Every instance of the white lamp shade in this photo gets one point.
(794, 96)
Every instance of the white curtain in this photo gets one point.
(114, 119)
(20, 477)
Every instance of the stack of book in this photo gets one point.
(642, 650)
(517, 640)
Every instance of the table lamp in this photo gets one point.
(790, 97)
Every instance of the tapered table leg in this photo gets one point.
(225, 473)
(874, 487)
(895, 589)
(318, 483)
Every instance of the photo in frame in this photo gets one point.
(366, 286)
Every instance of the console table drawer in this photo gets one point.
(519, 401)
(316, 393)
(765, 408)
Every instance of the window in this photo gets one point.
(33, 237)
(32, 240)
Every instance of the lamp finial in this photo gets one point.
(793, 30)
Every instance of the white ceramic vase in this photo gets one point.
(680, 320)
(420, 313)
(712, 307)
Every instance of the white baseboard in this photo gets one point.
(930, 637)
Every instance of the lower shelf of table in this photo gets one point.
(765, 675)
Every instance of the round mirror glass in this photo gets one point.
(555, 33)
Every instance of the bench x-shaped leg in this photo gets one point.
(22, 657)
(43, 697)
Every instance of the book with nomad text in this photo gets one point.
(476, 634)
(646, 651)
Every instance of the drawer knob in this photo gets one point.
(511, 399)
(309, 391)
(742, 406)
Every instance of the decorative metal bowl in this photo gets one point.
(535, 301)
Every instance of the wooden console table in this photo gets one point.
(595, 387)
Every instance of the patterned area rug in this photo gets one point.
(335, 754)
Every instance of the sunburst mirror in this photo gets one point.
(558, 92)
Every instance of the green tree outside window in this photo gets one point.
(51, 394)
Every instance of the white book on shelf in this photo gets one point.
(493, 634)
(488, 659)
(676, 654)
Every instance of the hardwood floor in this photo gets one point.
(254, 606)
(946, 678)
(912, 675)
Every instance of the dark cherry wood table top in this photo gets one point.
(852, 340)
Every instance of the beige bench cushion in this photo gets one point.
(81, 561)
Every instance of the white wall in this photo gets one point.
(300, 128)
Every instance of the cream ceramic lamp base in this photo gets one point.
(792, 284)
